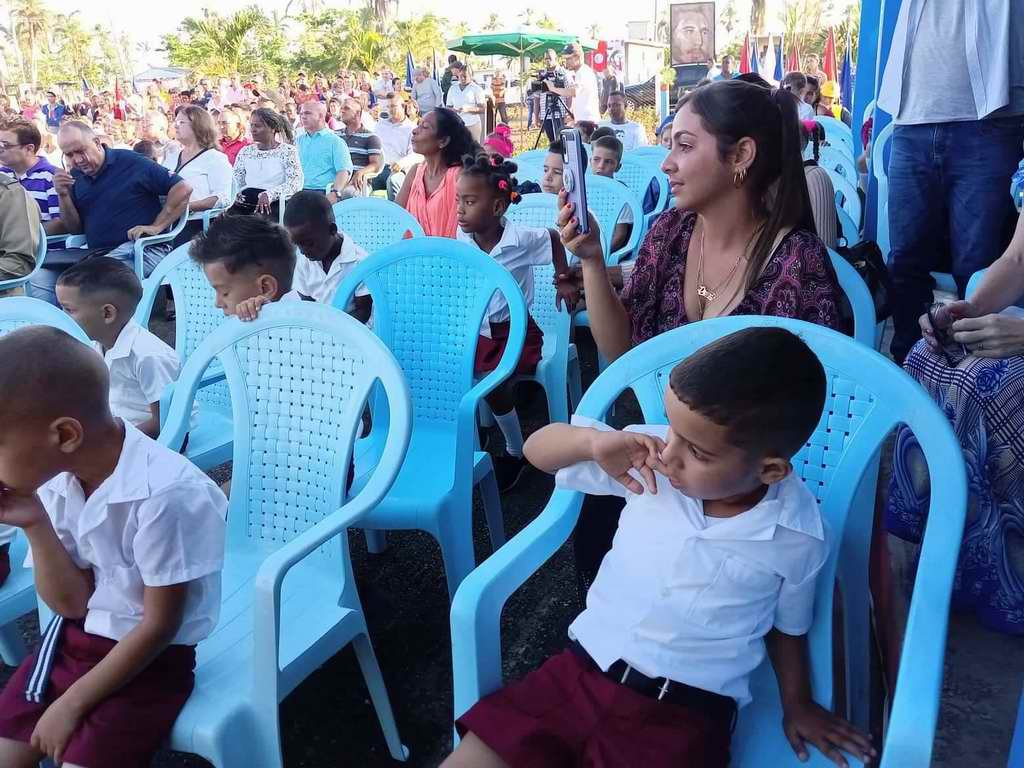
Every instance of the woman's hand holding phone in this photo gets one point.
(582, 246)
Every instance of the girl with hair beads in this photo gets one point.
(485, 190)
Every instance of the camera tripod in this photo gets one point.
(552, 100)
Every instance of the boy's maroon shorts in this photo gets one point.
(569, 714)
(490, 350)
(124, 730)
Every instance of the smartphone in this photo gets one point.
(574, 174)
(951, 350)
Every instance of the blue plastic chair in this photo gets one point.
(638, 174)
(606, 199)
(975, 281)
(848, 229)
(429, 298)
(655, 152)
(374, 223)
(15, 282)
(559, 364)
(206, 216)
(857, 293)
(837, 133)
(196, 317)
(839, 161)
(847, 197)
(530, 155)
(869, 396)
(299, 377)
(18, 593)
(1017, 744)
(529, 169)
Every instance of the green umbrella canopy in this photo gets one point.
(522, 42)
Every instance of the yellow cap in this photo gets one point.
(830, 89)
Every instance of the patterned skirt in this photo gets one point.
(984, 401)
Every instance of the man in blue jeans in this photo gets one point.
(954, 84)
(112, 196)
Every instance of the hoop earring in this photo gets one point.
(739, 177)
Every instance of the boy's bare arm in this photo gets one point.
(559, 445)
(804, 719)
(60, 583)
(163, 609)
(151, 426)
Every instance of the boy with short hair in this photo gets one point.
(715, 558)
(328, 254)
(101, 295)
(127, 545)
(249, 261)
(606, 161)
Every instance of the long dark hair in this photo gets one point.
(731, 110)
(276, 121)
(461, 142)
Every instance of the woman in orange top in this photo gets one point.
(429, 189)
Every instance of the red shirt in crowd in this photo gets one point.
(232, 148)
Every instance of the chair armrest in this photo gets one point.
(476, 609)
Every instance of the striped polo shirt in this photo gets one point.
(362, 144)
(38, 182)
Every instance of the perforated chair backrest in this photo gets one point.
(847, 196)
(606, 199)
(867, 397)
(837, 133)
(530, 155)
(849, 230)
(374, 223)
(538, 209)
(196, 315)
(299, 376)
(19, 311)
(429, 297)
(836, 160)
(639, 173)
(654, 152)
(553, 321)
(529, 169)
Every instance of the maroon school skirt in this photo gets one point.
(124, 730)
(566, 713)
(489, 351)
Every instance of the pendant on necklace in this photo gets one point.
(704, 293)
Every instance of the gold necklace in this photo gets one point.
(705, 293)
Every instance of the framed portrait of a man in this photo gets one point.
(692, 38)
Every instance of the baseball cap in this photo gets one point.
(830, 89)
(572, 48)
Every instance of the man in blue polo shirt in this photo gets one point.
(326, 161)
(113, 197)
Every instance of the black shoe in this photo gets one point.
(507, 471)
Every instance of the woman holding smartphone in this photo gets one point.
(740, 241)
(971, 361)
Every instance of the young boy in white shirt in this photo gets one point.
(249, 261)
(327, 254)
(101, 295)
(127, 545)
(715, 558)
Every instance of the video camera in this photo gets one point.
(556, 77)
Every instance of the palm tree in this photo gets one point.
(215, 44)
(757, 13)
(30, 22)
(493, 23)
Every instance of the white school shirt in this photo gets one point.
(630, 133)
(311, 280)
(691, 598)
(141, 366)
(156, 521)
(519, 250)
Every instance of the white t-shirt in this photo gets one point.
(630, 133)
(682, 598)
(470, 96)
(395, 138)
(586, 102)
(156, 521)
(209, 174)
(311, 280)
(141, 366)
(519, 250)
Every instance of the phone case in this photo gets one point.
(574, 175)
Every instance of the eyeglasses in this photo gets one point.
(6, 145)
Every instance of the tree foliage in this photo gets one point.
(220, 45)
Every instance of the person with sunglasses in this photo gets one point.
(971, 361)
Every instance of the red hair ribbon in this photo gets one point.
(502, 185)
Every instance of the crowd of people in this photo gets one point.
(747, 235)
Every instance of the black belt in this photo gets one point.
(721, 709)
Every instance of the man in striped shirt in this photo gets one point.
(365, 148)
(19, 147)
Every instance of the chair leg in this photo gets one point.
(376, 541)
(379, 695)
(456, 540)
(492, 509)
(556, 392)
(12, 646)
(486, 415)
(575, 383)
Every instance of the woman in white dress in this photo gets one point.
(267, 171)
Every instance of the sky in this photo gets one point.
(145, 21)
